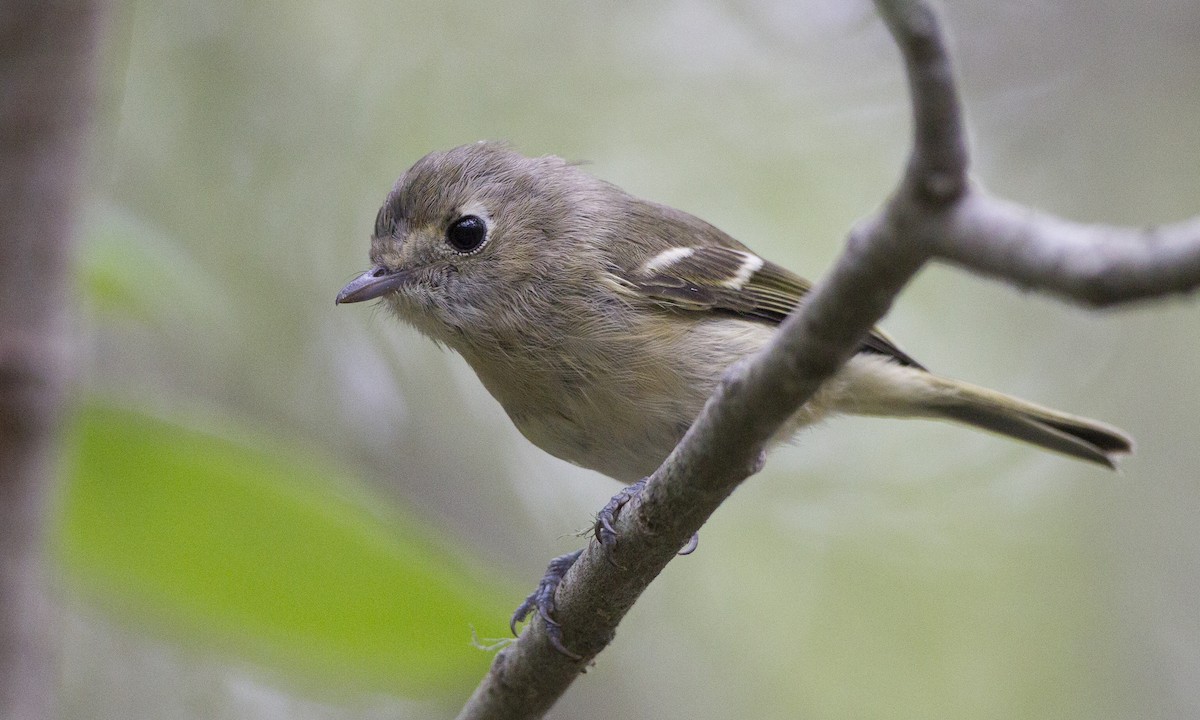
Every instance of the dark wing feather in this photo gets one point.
(729, 279)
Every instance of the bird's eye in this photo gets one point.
(466, 234)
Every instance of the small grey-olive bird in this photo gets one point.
(602, 322)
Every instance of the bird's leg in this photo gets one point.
(606, 534)
(542, 600)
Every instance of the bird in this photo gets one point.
(602, 322)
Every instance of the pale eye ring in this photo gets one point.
(467, 234)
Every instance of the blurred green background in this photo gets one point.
(275, 508)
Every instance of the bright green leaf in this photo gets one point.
(258, 553)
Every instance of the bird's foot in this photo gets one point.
(541, 600)
(606, 533)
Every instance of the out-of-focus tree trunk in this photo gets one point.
(46, 95)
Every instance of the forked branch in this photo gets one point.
(935, 213)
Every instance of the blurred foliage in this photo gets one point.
(255, 551)
(876, 570)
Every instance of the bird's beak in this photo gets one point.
(376, 282)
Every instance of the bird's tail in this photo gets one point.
(1072, 435)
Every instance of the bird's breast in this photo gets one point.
(617, 403)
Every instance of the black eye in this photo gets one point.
(467, 233)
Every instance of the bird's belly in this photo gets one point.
(622, 411)
(625, 446)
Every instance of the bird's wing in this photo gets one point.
(718, 278)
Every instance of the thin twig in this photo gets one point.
(1096, 265)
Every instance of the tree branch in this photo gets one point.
(938, 160)
(934, 213)
(46, 54)
(1097, 265)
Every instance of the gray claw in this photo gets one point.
(541, 600)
